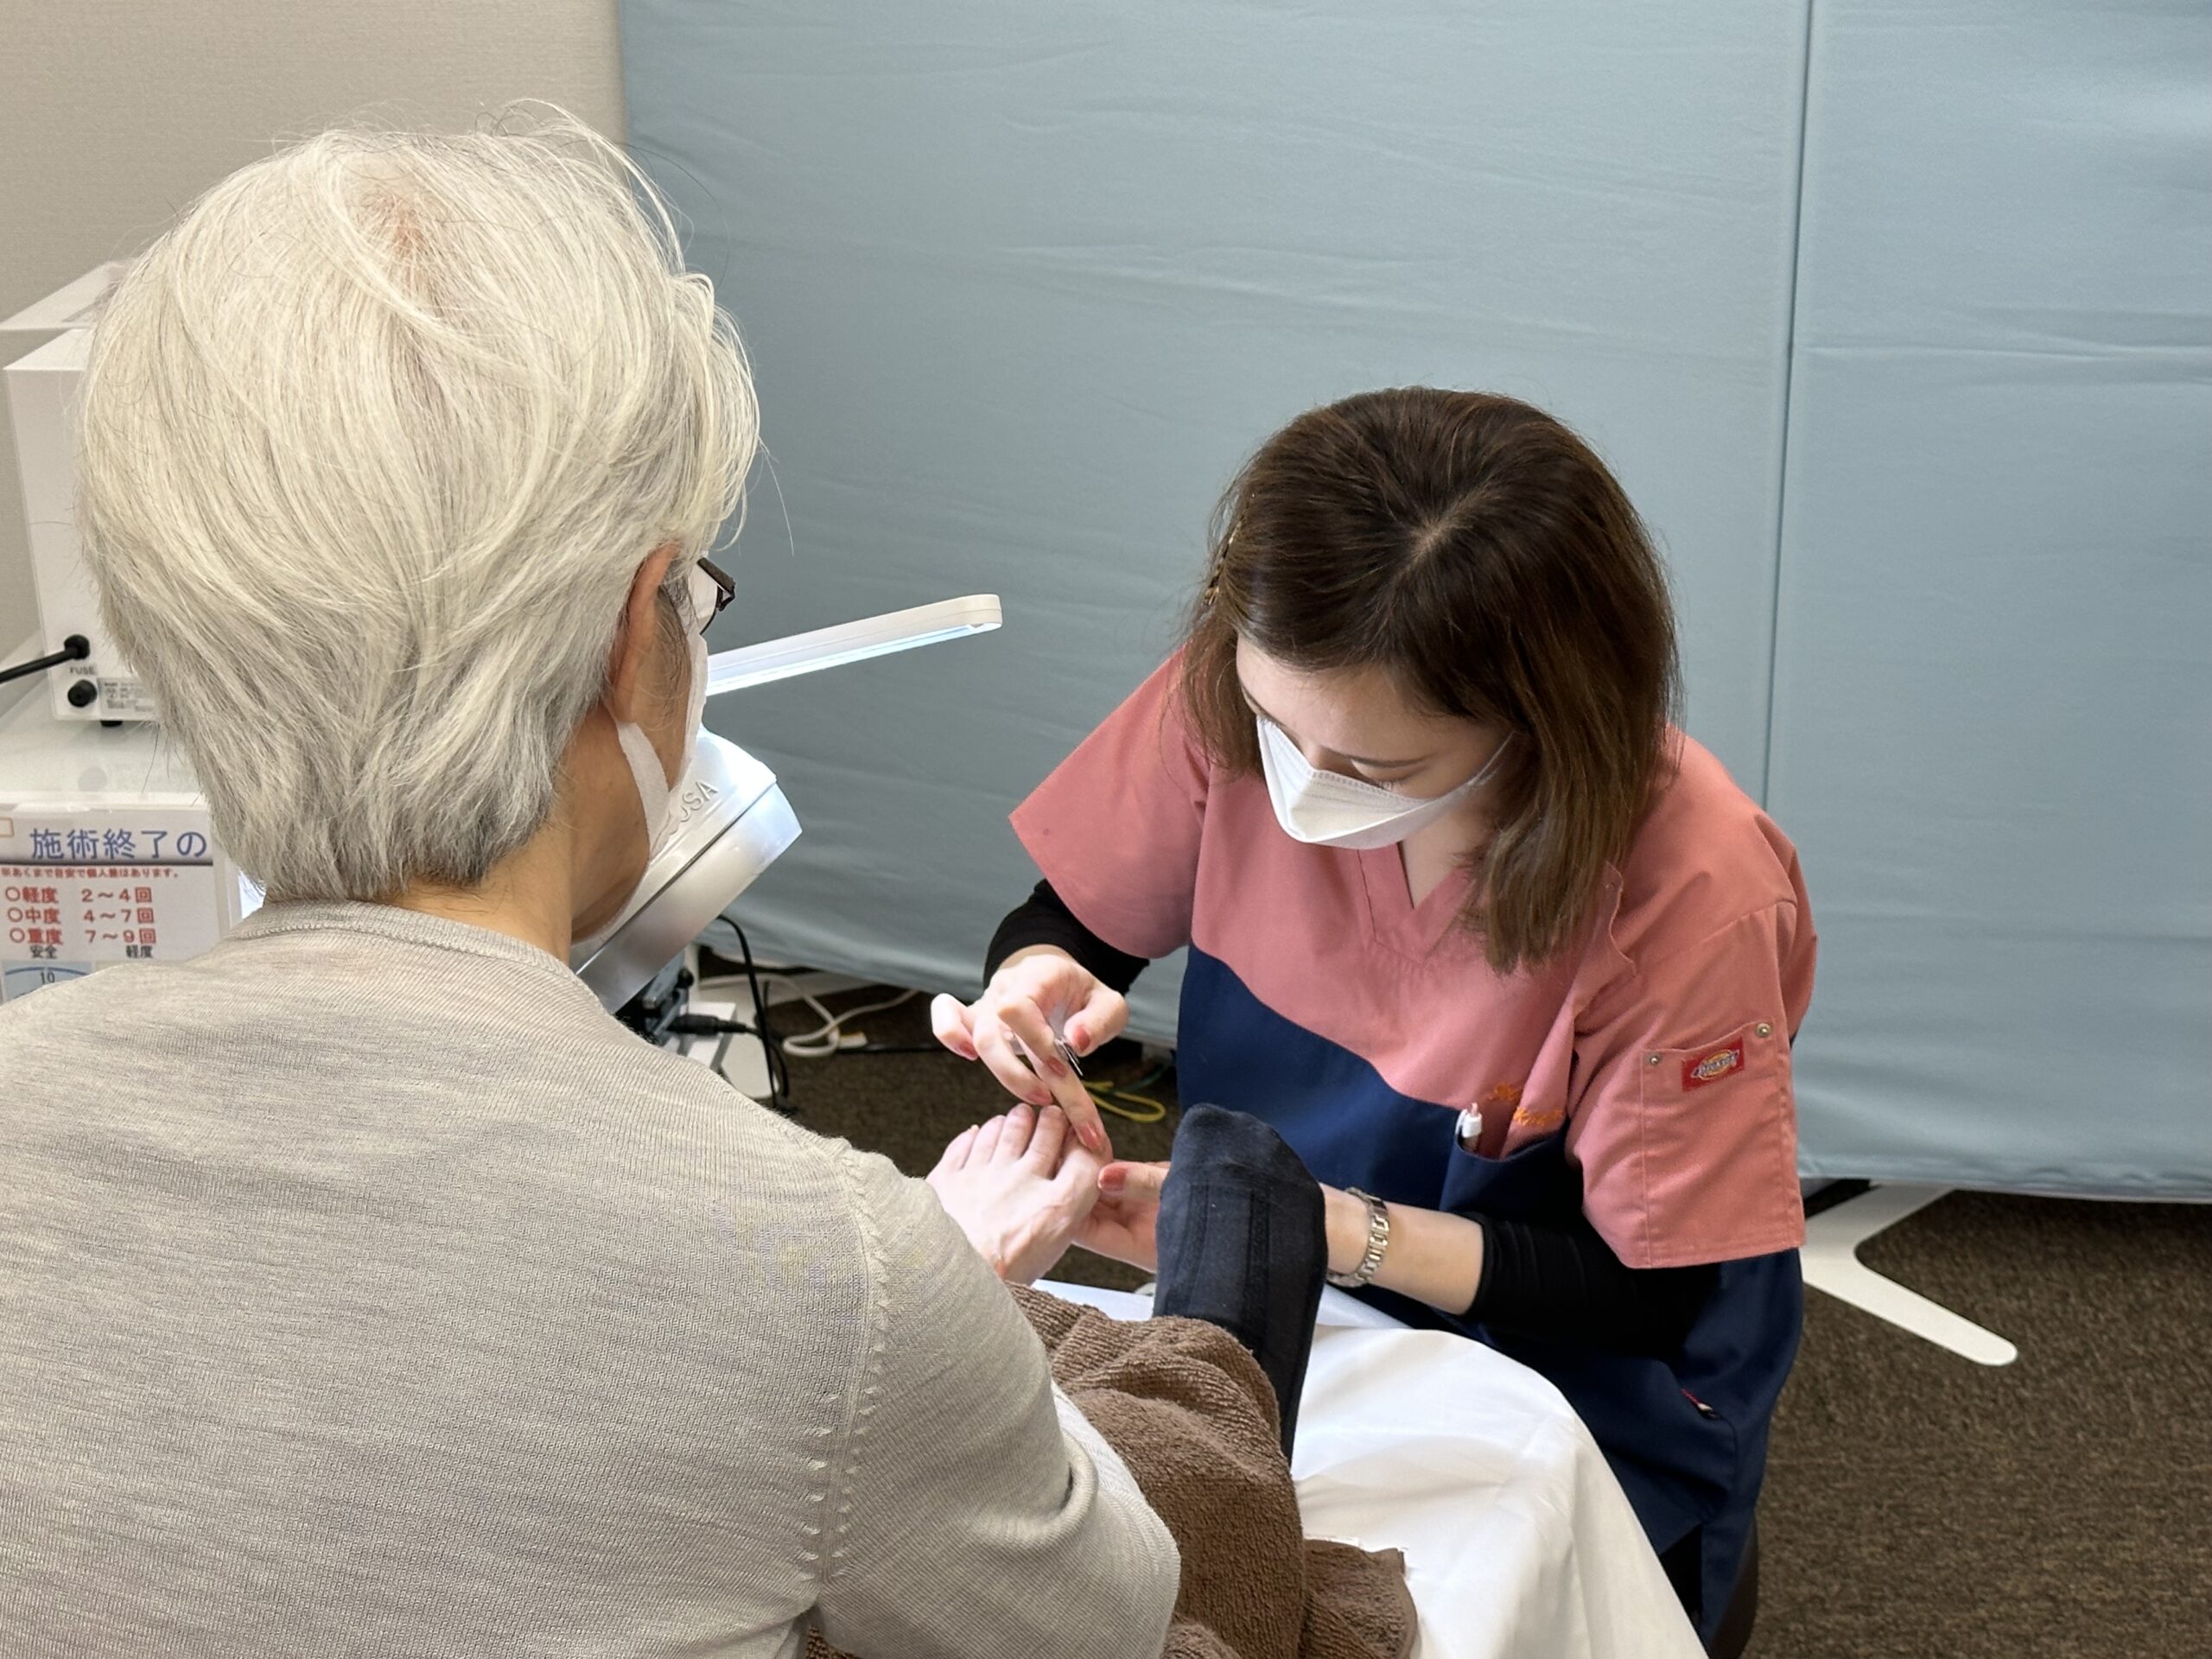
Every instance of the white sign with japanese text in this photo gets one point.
(82, 887)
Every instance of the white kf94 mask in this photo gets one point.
(660, 801)
(1327, 809)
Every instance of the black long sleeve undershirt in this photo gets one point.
(1554, 1284)
(1566, 1284)
(1045, 918)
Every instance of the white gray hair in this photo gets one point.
(372, 445)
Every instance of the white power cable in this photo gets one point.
(830, 1036)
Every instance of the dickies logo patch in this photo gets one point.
(1702, 1069)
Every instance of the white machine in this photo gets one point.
(89, 680)
(95, 825)
(731, 817)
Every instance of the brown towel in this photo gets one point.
(1192, 1415)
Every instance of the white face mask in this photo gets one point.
(656, 795)
(1327, 809)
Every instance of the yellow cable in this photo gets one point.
(1110, 1099)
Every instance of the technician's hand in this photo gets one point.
(1036, 991)
(1018, 1190)
(1120, 1224)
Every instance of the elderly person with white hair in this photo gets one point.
(364, 1287)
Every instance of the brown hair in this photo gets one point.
(1480, 553)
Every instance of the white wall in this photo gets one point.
(114, 114)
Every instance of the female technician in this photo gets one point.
(1507, 959)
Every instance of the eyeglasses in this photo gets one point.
(711, 590)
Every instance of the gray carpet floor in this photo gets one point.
(1916, 1506)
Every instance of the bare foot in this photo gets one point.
(1021, 1188)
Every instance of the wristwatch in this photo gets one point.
(1378, 1240)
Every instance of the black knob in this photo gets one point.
(83, 694)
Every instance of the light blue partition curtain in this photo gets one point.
(1022, 286)
(1993, 733)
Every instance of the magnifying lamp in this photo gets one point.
(849, 642)
(732, 819)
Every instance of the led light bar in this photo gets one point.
(849, 642)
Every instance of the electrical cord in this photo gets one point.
(725, 936)
(74, 649)
(812, 1045)
(708, 1025)
(829, 1038)
(1118, 1097)
(772, 1049)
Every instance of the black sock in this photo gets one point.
(1244, 1244)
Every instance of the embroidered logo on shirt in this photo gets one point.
(1532, 1119)
(1502, 1101)
(1702, 1069)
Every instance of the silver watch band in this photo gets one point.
(1378, 1240)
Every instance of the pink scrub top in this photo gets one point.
(1659, 1044)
